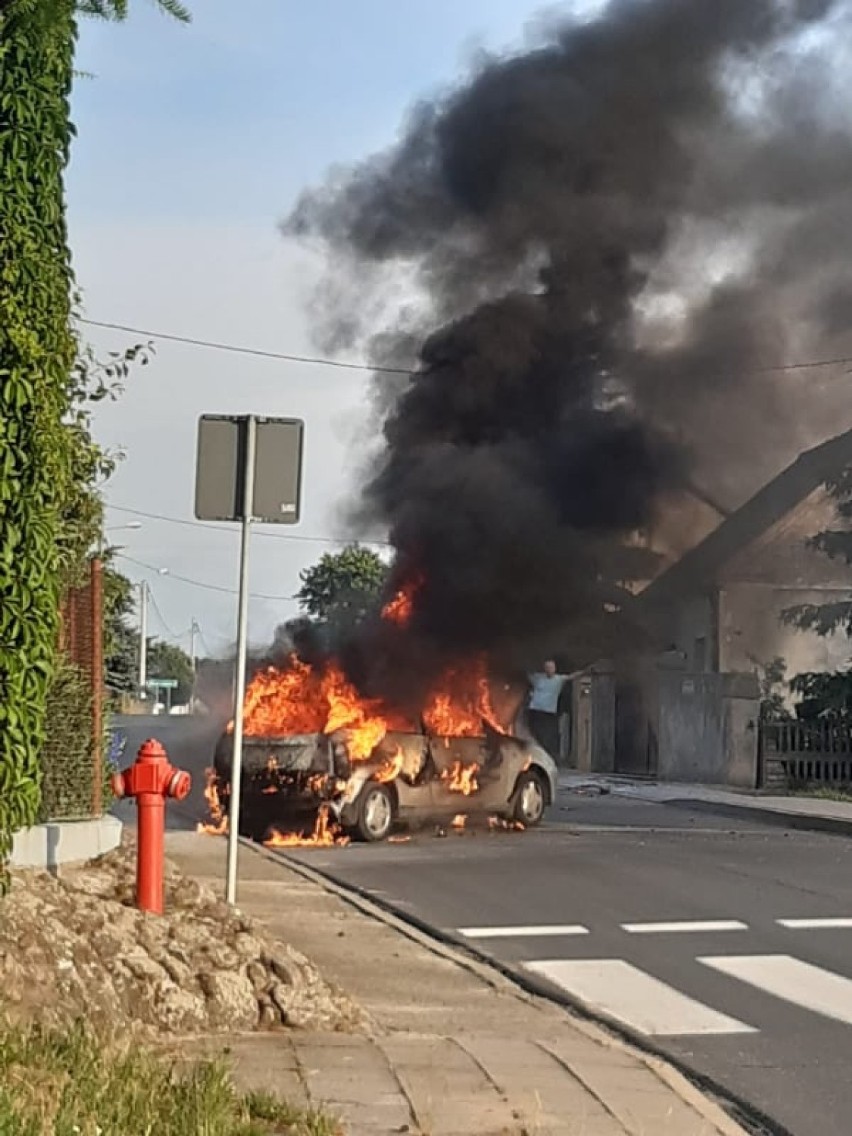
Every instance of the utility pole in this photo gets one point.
(143, 637)
(194, 631)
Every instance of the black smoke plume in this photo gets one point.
(606, 240)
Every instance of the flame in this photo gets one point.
(461, 778)
(399, 609)
(326, 834)
(391, 769)
(500, 824)
(218, 823)
(459, 821)
(300, 699)
(462, 703)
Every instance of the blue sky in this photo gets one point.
(193, 141)
(236, 112)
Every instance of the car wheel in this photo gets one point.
(375, 813)
(529, 799)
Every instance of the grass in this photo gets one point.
(70, 1083)
(825, 792)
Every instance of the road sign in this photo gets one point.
(162, 683)
(221, 469)
(249, 469)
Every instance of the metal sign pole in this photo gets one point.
(242, 647)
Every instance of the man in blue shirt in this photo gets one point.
(543, 706)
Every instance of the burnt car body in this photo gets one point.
(409, 779)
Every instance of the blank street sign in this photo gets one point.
(279, 444)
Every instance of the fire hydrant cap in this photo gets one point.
(151, 748)
(180, 785)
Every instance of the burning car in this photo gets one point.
(408, 778)
(318, 754)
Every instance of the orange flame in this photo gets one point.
(399, 609)
(391, 769)
(218, 823)
(461, 778)
(304, 700)
(326, 834)
(461, 704)
(500, 824)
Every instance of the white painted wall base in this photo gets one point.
(65, 842)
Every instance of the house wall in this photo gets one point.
(708, 728)
(691, 630)
(752, 633)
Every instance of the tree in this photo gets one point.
(773, 676)
(824, 695)
(342, 587)
(826, 618)
(167, 660)
(121, 639)
(40, 470)
(119, 10)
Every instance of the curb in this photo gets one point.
(776, 818)
(731, 1115)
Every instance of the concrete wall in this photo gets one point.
(67, 842)
(708, 728)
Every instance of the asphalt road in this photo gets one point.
(674, 923)
(189, 743)
(763, 1009)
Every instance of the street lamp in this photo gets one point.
(103, 547)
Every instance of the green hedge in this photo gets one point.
(36, 356)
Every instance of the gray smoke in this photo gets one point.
(606, 240)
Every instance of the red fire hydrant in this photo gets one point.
(151, 779)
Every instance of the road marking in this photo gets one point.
(524, 932)
(814, 924)
(684, 926)
(634, 998)
(807, 986)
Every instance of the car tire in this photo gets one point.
(376, 813)
(530, 799)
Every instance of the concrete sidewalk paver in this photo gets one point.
(448, 1090)
(454, 1048)
(536, 1081)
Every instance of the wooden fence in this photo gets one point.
(806, 753)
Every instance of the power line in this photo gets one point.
(169, 632)
(239, 350)
(806, 364)
(200, 583)
(226, 528)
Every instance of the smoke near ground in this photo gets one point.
(589, 252)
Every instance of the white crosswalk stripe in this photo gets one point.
(807, 986)
(630, 995)
(634, 998)
(815, 924)
(684, 926)
(524, 932)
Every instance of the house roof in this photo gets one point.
(701, 565)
